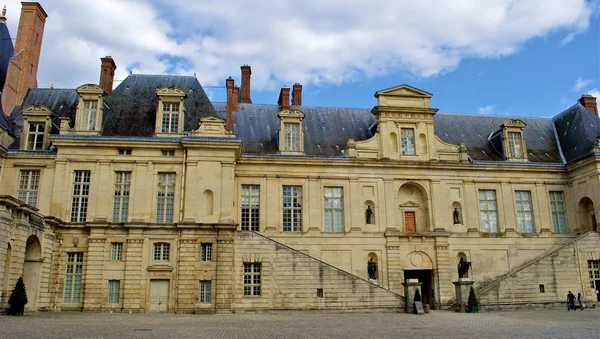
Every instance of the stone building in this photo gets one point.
(150, 197)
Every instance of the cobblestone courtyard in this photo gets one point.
(440, 324)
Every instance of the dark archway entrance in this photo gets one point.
(426, 278)
(31, 270)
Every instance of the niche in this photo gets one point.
(207, 202)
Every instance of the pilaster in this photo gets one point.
(134, 293)
(224, 282)
(95, 267)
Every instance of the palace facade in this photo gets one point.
(150, 197)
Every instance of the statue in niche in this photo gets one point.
(372, 269)
(463, 267)
(456, 215)
(369, 214)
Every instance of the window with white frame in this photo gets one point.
(408, 141)
(291, 134)
(116, 252)
(250, 207)
(594, 267)
(73, 273)
(515, 148)
(524, 211)
(28, 187)
(334, 209)
(88, 113)
(206, 251)
(35, 136)
(488, 211)
(559, 217)
(205, 291)
(165, 198)
(292, 208)
(161, 251)
(121, 196)
(252, 279)
(114, 289)
(170, 117)
(81, 191)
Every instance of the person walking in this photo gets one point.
(570, 301)
(581, 301)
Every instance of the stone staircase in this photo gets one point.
(293, 280)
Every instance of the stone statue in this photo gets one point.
(463, 267)
(456, 214)
(372, 269)
(369, 213)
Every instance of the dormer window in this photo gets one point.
(36, 127)
(170, 111)
(88, 119)
(291, 135)
(513, 140)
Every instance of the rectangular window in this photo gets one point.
(594, 267)
(524, 211)
(252, 279)
(170, 118)
(205, 291)
(35, 137)
(90, 107)
(165, 198)
(292, 208)
(121, 196)
(28, 187)
(124, 151)
(291, 135)
(557, 205)
(114, 288)
(73, 274)
(515, 149)
(408, 141)
(161, 251)
(334, 209)
(81, 192)
(488, 211)
(250, 207)
(206, 249)
(116, 251)
(168, 153)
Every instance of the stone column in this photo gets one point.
(443, 272)
(410, 286)
(463, 286)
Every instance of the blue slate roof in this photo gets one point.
(6, 51)
(578, 130)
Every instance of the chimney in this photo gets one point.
(284, 98)
(246, 72)
(297, 95)
(589, 102)
(229, 104)
(107, 73)
(21, 74)
(236, 95)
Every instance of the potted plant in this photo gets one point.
(18, 299)
(473, 302)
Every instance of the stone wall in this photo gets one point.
(290, 281)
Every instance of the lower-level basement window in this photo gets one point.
(542, 289)
(252, 279)
(205, 291)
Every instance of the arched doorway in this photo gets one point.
(31, 270)
(414, 213)
(587, 216)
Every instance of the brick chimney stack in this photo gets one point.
(297, 95)
(107, 73)
(246, 72)
(284, 98)
(589, 102)
(229, 104)
(21, 74)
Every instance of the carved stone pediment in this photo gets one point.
(403, 91)
(90, 89)
(514, 123)
(409, 203)
(37, 110)
(170, 92)
(291, 113)
(212, 127)
(403, 96)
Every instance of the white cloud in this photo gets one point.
(489, 109)
(581, 83)
(287, 41)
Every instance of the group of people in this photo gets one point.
(571, 299)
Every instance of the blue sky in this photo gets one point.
(501, 57)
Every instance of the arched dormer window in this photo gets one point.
(291, 135)
(170, 111)
(36, 128)
(88, 119)
(513, 140)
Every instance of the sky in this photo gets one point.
(501, 57)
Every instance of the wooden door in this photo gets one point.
(159, 296)
(409, 222)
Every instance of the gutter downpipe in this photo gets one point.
(181, 211)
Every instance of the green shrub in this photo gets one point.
(417, 295)
(18, 298)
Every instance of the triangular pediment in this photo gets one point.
(211, 119)
(403, 91)
(409, 203)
